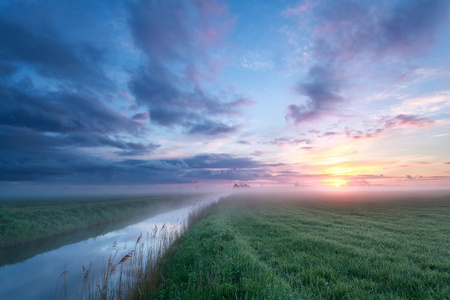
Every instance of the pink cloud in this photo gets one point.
(405, 121)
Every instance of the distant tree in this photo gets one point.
(241, 185)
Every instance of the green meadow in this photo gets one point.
(283, 247)
(26, 220)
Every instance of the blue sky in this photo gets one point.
(212, 93)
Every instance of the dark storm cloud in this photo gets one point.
(347, 30)
(61, 112)
(54, 91)
(49, 55)
(218, 161)
(36, 145)
(208, 127)
(27, 155)
(170, 105)
(76, 168)
(140, 116)
(67, 110)
(45, 126)
(98, 140)
(177, 38)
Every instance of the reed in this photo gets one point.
(63, 293)
(137, 273)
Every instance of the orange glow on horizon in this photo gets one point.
(336, 182)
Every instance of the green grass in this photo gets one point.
(267, 249)
(26, 221)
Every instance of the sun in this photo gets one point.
(336, 182)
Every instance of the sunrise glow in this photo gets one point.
(193, 94)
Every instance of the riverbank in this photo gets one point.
(256, 247)
(109, 265)
(26, 220)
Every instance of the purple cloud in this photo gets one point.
(285, 141)
(258, 153)
(405, 121)
(348, 30)
(383, 124)
(367, 133)
(322, 91)
(330, 133)
(181, 34)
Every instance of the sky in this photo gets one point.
(99, 94)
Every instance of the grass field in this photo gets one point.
(22, 221)
(279, 247)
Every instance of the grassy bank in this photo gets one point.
(248, 248)
(22, 221)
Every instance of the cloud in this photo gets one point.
(427, 104)
(172, 106)
(244, 142)
(177, 39)
(258, 153)
(367, 133)
(140, 116)
(48, 54)
(285, 141)
(347, 29)
(182, 31)
(219, 161)
(61, 112)
(330, 133)
(376, 128)
(405, 121)
(50, 162)
(322, 91)
(348, 32)
(208, 127)
(409, 177)
(53, 84)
